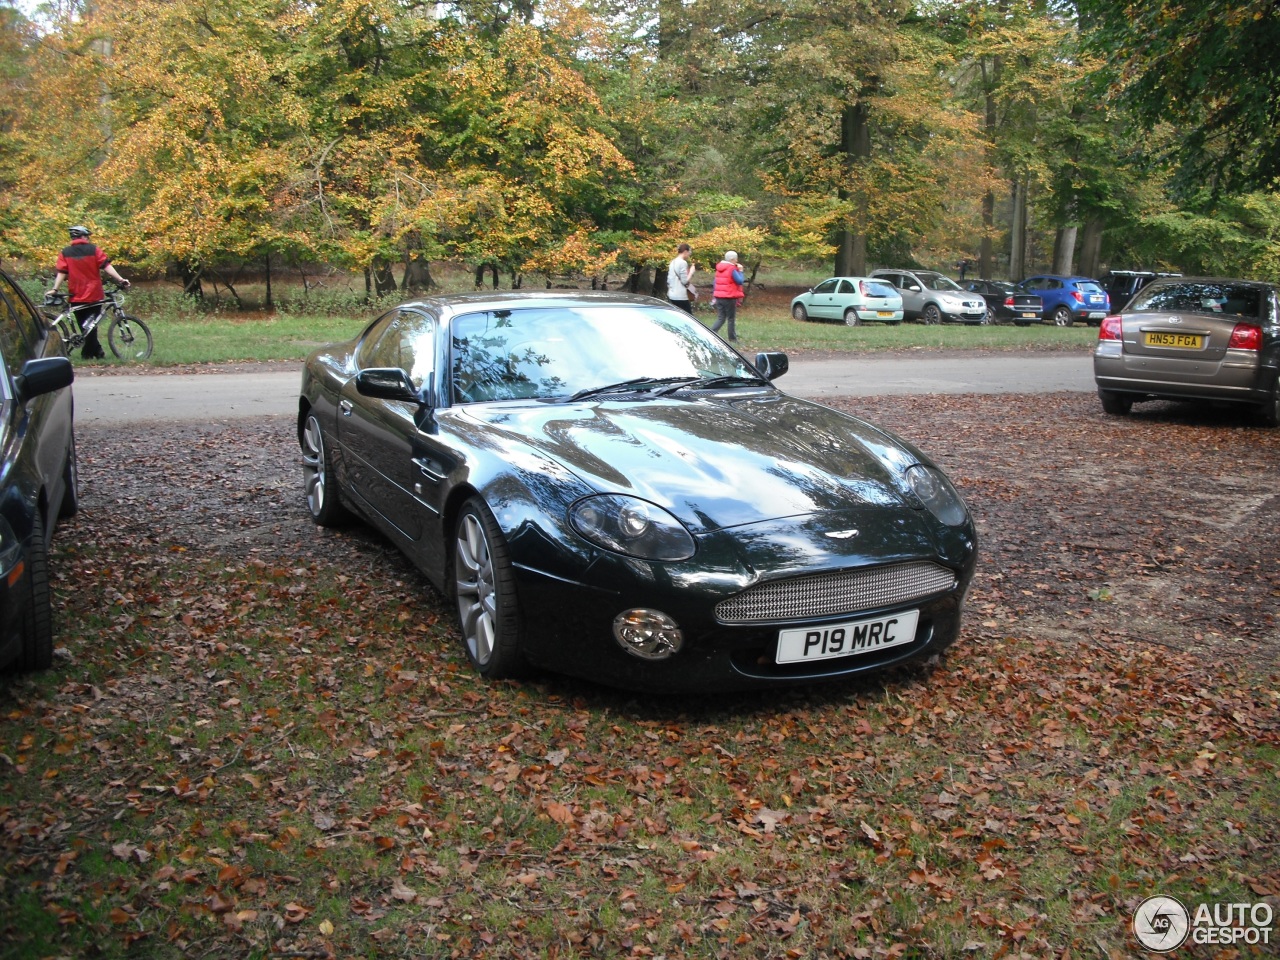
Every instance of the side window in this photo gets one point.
(826, 286)
(845, 287)
(1054, 285)
(404, 340)
(22, 329)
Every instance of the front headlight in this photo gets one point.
(935, 492)
(631, 526)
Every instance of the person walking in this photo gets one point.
(728, 294)
(81, 264)
(679, 275)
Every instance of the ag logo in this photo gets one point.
(1161, 924)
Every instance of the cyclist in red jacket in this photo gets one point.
(81, 265)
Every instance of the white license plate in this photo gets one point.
(844, 639)
(1028, 316)
(1097, 314)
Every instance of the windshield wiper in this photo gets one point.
(705, 383)
(635, 383)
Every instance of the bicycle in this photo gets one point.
(128, 337)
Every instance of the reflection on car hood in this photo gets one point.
(717, 461)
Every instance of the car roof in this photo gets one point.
(1179, 278)
(455, 303)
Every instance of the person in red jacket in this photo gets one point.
(81, 264)
(728, 291)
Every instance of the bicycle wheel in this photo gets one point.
(69, 340)
(130, 338)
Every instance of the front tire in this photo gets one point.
(318, 478)
(70, 505)
(851, 318)
(1116, 404)
(37, 616)
(130, 338)
(989, 317)
(931, 314)
(484, 586)
(799, 312)
(1062, 317)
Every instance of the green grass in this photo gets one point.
(218, 330)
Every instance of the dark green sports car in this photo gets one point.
(607, 489)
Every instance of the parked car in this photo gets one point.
(1004, 304)
(1193, 338)
(934, 297)
(1121, 285)
(1068, 299)
(854, 300)
(38, 476)
(605, 488)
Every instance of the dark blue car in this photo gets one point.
(37, 474)
(1068, 299)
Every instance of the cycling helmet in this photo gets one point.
(78, 231)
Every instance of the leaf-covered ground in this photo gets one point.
(261, 739)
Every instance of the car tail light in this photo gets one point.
(1245, 337)
(1111, 328)
(1077, 296)
(1008, 301)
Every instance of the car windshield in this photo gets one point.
(1200, 297)
(936, 281)
(547, 352)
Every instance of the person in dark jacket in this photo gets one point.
(81, 264)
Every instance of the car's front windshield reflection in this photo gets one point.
(557, 352)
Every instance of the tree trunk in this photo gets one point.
(1064, 251)
(855, 144)
(191, 280)
(990, 125)
(1091, 248)
(1017, 234)
(480, 270)
(417, 275)
(268, 304)
(384, 280)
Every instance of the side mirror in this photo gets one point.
(913, 288)
(42, 376)
(772, 365)
(387, 383)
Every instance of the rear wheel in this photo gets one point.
(990, 316)
(484, 586)
(799, 312)
(1116, 404)
(130, 338)
(931, 314)
(1269, 412)
(851, 318)
(318, 479)
(1062, 317)
(37, 616)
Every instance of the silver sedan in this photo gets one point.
(1193, 338)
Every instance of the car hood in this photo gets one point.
(717, 461)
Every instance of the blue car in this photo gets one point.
(1068, 299)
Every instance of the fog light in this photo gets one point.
(648, 634)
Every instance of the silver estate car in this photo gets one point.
(1193, 338)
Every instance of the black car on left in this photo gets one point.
(605, 488)
(1005, 304)
(38, 476)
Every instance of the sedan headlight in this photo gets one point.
(935, 492)
(631, 526)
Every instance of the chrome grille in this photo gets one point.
(831, 594)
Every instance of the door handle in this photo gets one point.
(429, 468)
(345, 407)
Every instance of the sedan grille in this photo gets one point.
(832, 594)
